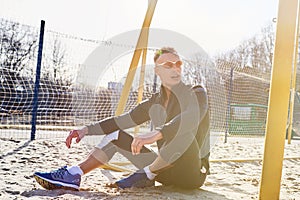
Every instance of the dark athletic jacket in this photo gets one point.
(184, 121)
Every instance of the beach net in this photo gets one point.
(70, 96)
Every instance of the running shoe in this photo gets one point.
(58, 179)
(138, 179)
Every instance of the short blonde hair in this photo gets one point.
(164, 50)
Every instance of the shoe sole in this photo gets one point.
(52, 186)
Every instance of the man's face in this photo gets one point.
(168, 68)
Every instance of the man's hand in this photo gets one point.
(78, 134)
(140, 140)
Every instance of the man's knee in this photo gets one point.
(108, 139)
(99, 155)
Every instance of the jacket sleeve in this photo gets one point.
(136, 116)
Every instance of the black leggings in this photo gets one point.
(183, 173)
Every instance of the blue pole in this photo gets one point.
(37, 81)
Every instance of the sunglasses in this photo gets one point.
(170, 64)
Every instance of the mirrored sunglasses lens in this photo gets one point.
(178, 63)
(168, 64)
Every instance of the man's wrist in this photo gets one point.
(84, 131)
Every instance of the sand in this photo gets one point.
(228, 180)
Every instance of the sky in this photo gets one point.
(216, 25)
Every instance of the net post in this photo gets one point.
(229, 104)
(37, 80)
(141, 44)
(285, 44)
(293, 88)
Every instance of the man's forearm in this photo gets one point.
(111, 124)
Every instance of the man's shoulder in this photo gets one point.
(200, 92)
(198, 89)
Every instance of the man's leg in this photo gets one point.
(106, 149)
(123, 146)
(70, 177)
(185, 171)
(94, 160)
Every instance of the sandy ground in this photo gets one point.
(19, 159)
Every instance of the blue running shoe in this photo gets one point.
(138, 179)
(58, 179)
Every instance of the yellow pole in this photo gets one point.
(141, 84)
(292, 98)
(141, 44)
(279, 99)
(142, 77)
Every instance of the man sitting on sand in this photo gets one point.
(180, 116)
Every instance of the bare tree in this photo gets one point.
(268, 43)
(54, 63)
(197, 69)
(256, 53)
(58, 57)
(17, 45)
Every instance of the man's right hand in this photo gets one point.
(78, 134)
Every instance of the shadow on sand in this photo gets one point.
(159, 192)
(15, 150)
(64, 194)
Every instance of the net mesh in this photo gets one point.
(247, 92)
(238, 89)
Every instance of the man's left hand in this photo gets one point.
(140, 140)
